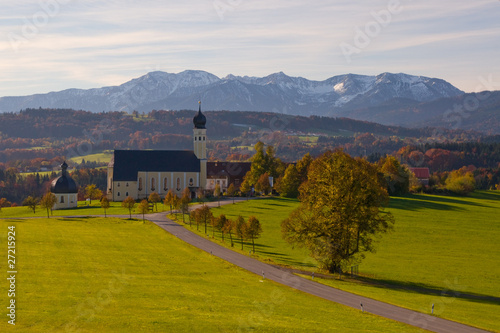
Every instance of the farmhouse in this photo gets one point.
(422, 175)
(225, 173)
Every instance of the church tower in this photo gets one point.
(200, 144)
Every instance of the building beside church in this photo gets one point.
(226, 173)
(138, 173)
(65, 190)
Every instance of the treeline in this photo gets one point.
(397, 176)
(36, 138)
(15, 188)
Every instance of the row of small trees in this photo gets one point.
(244, 230)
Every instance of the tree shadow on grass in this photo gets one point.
(414, 205)
(73, 218)
(425, 289)
(282, 258)
(450, 200)
(276, 204)
(489, 195)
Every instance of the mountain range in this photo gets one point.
(385, 98)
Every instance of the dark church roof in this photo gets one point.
(64, 183)
(127, 163)
(199, 120)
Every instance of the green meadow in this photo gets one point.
(443, 251)
(82, 209)
(117, 275)
(105, 156)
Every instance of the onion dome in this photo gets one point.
(64, 183)
(199, 120)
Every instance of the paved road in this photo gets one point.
(382, 309)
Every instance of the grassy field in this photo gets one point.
(100, 157)
(41, 173)
(443, 251)
(114, 275)
(83, 209)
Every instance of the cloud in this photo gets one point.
(89, 43)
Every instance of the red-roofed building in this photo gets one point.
(422, 175)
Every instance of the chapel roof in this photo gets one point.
(63, 183)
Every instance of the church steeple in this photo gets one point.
(199, 120)
(200, 144)
(200, 135)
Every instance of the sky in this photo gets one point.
(52, 45)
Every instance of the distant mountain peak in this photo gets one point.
(278, 91)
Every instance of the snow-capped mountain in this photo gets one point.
(338, 95)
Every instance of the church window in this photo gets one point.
(200, 138)
(191, 181)
(62, 199)
(165, 184)
(118, 194)
(203, 138)
(194, 138)
(153, 184)
(140, 183)
(126, 185)
(178, 188)
(118, 185)
(126, 194)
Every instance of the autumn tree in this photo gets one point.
(200, 195)
(217, 193)
(92, 192)
(184, 202)
(253, 229)
(396, 175)
(228, 228)
(341, 210)
(263, 185)
(169, 199)
(143, 208)
(264, 161)
(245, 186)
(105, 204)
(303, 166)
(31, 203)
(460, 182)
(129, 203)
(192, 217)
(290, 182)
(48, 201)
(203, 215)
(176, 202)
(231, 190)
(219, 223)
(154, 198)
(239, 229)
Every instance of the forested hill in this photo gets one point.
(63, 124)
